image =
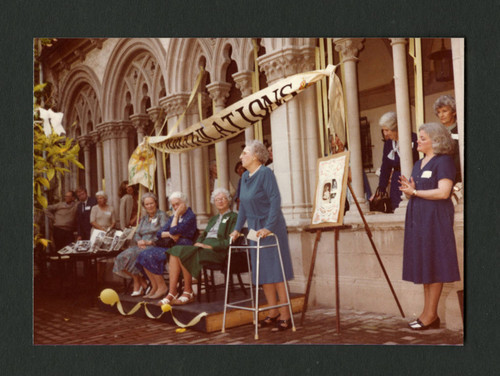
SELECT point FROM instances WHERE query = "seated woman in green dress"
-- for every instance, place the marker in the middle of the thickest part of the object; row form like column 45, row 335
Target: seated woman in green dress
column 210, row 247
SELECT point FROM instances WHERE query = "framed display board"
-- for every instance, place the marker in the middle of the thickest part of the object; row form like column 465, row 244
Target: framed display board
column 331, row 189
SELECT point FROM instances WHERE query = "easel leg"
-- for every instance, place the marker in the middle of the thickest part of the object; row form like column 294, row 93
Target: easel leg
column 337, row 292
column 309, row 279
column 368, row 232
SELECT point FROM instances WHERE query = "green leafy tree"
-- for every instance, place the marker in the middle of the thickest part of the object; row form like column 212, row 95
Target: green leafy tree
column 52, row 157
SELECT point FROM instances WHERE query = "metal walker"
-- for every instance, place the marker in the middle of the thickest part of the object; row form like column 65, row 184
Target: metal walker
column 254, row 303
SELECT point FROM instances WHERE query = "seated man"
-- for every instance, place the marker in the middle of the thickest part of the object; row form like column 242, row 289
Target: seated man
column 210, row 247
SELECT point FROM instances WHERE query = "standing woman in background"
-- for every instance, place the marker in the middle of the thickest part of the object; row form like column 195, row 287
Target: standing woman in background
column 445, row 109
column 391, row 162
column 260, row 206
column 102, row 215
column 430, row 254
column 125, row 192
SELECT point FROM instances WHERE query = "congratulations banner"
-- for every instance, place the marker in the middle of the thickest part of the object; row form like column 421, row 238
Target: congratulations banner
column 234, row 119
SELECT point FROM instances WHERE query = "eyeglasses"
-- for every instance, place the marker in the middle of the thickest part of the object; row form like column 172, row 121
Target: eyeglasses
column 221, row 199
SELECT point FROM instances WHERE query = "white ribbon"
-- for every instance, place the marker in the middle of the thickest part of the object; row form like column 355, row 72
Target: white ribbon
column 395, row 149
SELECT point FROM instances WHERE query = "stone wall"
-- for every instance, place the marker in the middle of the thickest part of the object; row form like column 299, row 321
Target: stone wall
column 361, row 279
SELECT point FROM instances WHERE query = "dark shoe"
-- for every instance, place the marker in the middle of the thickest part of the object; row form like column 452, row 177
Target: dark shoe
column 282, row 325
column 418, row 325
column 268, row 321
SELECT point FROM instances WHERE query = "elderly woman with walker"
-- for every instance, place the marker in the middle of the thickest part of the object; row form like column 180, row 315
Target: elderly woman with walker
column 260, row 206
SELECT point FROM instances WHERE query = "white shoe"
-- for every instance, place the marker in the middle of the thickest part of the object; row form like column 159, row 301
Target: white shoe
column 137, row 293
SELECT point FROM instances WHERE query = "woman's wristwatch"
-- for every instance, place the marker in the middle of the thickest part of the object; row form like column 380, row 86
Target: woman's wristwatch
column 414, row 193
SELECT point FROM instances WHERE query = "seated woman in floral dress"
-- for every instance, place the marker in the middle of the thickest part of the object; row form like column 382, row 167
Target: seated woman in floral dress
column 210, row 247
column 179, row 229
column 145, row 235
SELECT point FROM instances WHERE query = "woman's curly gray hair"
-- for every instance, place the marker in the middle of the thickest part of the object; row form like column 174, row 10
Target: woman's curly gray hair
column 102, row 194
column 178, row 194
column 389, row 120
column 258, row 149
column 445, row 100
column 149, row 195
column 218, row 191
column 442, row 143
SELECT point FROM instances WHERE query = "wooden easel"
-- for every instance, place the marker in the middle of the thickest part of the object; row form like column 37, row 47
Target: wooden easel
column 313, row 262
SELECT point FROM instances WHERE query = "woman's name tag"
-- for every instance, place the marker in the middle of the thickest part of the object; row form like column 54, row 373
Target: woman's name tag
column 426, row 174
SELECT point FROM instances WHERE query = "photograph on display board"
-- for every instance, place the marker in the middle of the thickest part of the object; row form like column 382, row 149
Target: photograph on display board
column 331, row 187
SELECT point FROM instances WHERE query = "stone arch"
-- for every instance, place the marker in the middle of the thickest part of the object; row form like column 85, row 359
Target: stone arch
column 222, row 58
column 244, row 55
column 127, row 54
column 183, row 56
column 81, row 85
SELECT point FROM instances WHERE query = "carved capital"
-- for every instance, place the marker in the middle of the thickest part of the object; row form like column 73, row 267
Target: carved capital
column 283, row 63
column 349, row 47
column 395, row 41
column 96, row 137
column 123, row 128
column 140, row 122
column 174, row 104
column 243, row 82
column 106, row 130
column 85, row 142
column 219, row 91
column 156, row 114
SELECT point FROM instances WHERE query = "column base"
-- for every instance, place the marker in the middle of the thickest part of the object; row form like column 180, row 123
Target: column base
column 401, row 209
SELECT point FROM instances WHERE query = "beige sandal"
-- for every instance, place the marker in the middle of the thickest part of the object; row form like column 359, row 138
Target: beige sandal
column 168, row 299
column 186, row 297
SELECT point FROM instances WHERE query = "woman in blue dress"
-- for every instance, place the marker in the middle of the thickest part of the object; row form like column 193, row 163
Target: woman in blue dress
column 260, row 207
column 391, row 163
column 179, row 229
column 145, row 235
column 430, row 254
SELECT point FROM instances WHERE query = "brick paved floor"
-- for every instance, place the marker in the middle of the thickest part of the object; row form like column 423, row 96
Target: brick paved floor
column 77, row 319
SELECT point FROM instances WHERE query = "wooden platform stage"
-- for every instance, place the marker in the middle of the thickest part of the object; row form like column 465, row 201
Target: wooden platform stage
column 214, row 309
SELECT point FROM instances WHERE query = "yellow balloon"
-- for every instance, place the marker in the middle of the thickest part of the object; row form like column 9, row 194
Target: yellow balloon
column 166, row 307
column 109, row 296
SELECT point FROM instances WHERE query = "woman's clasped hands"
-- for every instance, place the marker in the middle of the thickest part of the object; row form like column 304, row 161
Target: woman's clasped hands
column 406, row 186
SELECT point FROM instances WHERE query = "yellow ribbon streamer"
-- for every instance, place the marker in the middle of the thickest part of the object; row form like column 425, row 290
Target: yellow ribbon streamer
column 191, row 97
column 110, row 297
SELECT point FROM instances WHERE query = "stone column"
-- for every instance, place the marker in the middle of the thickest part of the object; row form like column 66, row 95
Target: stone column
column 288, row 126
column 109, row 133
column 349, row 47
column 85, row 142
column 243, row 81
column 105, row 136
column 141, row 124
column 174, row 106
column 157, row 115
column 219, row 91
column 402, row 110
column 123, row 130
column 96, row 139
column 199, row 167
column 457, row 48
